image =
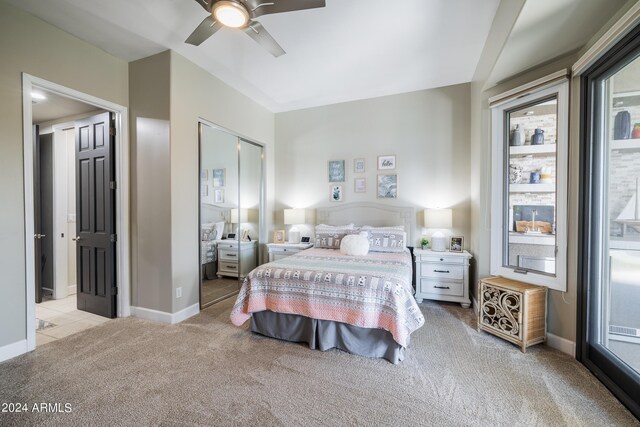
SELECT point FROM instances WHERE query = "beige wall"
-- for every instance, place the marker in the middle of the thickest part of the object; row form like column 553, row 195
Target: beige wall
column 428, row 131
column 32, row 46
column 150, row 182
column 197, row 94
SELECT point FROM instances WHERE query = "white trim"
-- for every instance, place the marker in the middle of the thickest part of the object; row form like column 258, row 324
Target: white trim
column 474, row 304
column 498, row 143
column 528, row 88
column 564, row 345
column 122, row 194
column 617, row 31
column 72, row 289
column 164, row 317
column 12, row 350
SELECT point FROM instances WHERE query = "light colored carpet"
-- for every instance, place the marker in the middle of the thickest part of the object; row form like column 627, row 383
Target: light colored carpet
column 205, row 371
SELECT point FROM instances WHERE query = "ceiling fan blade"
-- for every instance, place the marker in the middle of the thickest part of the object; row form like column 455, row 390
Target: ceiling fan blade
column 266, row 7
column 203, row 31
column 256, row 31
column 206, row 4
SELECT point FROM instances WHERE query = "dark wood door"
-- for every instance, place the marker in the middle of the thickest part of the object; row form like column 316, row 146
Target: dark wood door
column 95, row 215
column 37, row 237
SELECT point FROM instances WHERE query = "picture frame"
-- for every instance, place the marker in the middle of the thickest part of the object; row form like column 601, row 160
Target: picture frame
column 204, row 175
column 218, row 195
column 204, row 190
column 456, row 244
column 278, row 236
column 336, row 171
column 387, row 187
column 336, row 194
column 245, row 236
column 219, row 177
column 358, row 165
column 387, row 162
column 360, row 185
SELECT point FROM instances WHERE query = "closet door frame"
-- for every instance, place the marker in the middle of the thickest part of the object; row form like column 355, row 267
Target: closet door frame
column 261, row 220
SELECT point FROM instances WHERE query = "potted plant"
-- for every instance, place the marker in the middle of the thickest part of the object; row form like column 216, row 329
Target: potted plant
column 424, row 242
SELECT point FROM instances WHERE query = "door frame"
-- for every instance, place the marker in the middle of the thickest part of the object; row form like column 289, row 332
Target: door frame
column 30, row 82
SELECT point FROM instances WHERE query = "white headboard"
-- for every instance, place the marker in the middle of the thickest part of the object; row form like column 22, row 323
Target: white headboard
column 374, row 214
column 214, row 213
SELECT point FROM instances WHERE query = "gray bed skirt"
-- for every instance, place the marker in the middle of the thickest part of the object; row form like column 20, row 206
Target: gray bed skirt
column 325, row 335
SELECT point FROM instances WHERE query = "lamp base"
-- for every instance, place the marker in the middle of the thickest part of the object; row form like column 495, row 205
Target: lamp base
column 294, row 237
column 438, row 243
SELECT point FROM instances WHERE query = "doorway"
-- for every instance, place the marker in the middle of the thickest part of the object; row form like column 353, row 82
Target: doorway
column 609, row 339
column 97, row 133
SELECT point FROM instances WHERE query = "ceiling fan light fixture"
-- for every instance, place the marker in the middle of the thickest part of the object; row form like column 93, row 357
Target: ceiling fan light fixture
column 230, row 14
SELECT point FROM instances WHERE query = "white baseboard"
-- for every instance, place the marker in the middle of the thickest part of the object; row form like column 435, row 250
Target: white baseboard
column 10, row 351
column 72, row 289
column 164, row 317
column 562, row 344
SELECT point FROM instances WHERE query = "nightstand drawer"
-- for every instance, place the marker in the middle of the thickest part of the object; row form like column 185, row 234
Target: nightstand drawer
column 227, row 266
column 442, row 287
column 441, row 271
column 444, row 258
column 288, row 251
column 228, row 254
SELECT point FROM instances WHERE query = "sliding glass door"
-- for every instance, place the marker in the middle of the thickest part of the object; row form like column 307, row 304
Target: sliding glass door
column 610, row 245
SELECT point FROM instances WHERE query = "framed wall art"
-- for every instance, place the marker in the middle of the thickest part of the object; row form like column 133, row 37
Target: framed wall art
column 360, row 185
column 388, row 186
column 358, row 165
column 218, row 176
column 336, row 171
column 336, row 193
column 386, row 162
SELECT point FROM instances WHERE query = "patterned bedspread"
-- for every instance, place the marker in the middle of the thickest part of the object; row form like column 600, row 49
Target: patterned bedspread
column 208, row 252
column 371, row 291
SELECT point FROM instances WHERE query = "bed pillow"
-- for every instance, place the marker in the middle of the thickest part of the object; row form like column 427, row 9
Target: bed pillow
column 208, row 232
column 355, row 244
column 383, row 239
column 219, row 230
column 329, row 236
column 334, row 227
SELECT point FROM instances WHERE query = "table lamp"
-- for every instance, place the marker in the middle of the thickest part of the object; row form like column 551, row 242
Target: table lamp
column 439, row 219
column 294, row 217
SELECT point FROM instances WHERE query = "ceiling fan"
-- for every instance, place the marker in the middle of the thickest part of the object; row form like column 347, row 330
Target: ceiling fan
column 241, row 14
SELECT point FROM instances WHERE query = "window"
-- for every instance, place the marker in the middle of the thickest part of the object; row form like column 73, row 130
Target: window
column 529, row 182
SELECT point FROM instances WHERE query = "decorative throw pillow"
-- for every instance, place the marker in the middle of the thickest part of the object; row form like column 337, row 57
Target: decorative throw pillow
column 386, row 240
column 328, row 236
column 355, row 244
column 208, row 232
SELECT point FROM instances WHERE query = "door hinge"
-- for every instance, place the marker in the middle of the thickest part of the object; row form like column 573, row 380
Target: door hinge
column 114, row 238
column 112, row 131
column 113, row 185
column 114, row 290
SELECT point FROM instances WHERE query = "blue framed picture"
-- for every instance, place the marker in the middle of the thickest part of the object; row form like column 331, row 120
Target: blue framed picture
column 336, row 171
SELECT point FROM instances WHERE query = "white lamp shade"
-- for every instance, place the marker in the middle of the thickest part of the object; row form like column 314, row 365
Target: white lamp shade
column 294, row 216
column 438, row 218
column 244, row 216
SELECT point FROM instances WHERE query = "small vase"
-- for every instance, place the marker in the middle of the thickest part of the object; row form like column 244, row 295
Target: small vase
column 517, row 136
column 515, row 174
column 622, row 125
column 538, row 137
column 535, row 178
column 635, row 134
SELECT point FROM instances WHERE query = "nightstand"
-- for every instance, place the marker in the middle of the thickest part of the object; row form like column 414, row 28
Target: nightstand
column 282, row 250
column 229, row 255
column 442, row 276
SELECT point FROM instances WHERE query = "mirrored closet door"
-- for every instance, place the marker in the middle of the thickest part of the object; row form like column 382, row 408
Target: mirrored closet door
column 230, row 211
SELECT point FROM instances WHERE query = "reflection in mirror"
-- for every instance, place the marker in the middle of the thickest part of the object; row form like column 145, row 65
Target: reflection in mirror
column 218, row 201
column 530, row 177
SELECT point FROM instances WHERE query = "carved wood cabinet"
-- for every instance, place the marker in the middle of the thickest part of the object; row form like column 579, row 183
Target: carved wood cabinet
column 513, row 310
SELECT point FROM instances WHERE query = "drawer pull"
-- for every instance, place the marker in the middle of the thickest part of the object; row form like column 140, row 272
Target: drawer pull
column 441, row 271
column 441, row 287
column 231, row 266
column 441, row 259
column 231, row 254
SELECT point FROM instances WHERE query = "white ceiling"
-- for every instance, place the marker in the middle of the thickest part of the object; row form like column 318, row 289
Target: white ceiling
column 548, row 29
column 349, row 50
column 56, row 107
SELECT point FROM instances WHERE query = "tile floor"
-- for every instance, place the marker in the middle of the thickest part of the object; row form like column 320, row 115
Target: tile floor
column 65, row 318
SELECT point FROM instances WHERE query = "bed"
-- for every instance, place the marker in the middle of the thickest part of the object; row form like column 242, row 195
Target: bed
column 213, row 219
column 360, row 304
